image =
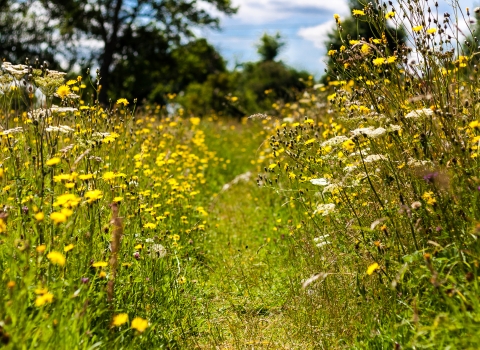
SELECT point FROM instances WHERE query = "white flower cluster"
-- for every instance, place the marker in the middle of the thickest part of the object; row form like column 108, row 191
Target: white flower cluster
column 60, row 128
column 325, row 209
column 334, row 141
column 12, row 131
column 320, row 182
column 321, row 241
column 425, row 112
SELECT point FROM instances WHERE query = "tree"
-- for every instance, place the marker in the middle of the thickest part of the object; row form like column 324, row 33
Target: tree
column 20, row 37
column 357, row 28
column 125, row 28
column 270, row 46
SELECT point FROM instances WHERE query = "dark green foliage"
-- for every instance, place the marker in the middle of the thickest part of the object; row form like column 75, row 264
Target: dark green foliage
column 270, row 46
column 131, row 29
column 20, row 37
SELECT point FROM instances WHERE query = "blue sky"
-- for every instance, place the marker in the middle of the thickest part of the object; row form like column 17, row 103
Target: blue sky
column 302, row 23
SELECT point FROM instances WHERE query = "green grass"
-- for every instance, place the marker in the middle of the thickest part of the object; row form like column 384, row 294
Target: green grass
column 351, row 223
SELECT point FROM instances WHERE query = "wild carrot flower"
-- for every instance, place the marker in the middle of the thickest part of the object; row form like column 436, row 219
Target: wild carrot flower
column 320, row 182
column 56, row 258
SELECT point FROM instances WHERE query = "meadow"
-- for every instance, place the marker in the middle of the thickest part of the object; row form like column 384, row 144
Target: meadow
column 348, row 219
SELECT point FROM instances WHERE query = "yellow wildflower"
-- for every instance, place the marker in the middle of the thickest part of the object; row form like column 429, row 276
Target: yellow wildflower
column 41, row 300
column 429, row 198
column 68, row 248
column 92, row 196
column 358, row 12
column 391, row 59
column 63, row 91
column 119, row 319
column 58, row 218
column 417, row 28
column 41, row 248
column 365, row 49
column 372, row 268
column 389, row 15
column 378, row 61
column 123, row 101
column 52, row 161
column 100, row 264
column 139, row 324
column 56, row 258
column 431, row 30
column 332, row 52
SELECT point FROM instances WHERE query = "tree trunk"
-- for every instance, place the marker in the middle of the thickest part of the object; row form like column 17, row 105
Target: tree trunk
column 107, row 60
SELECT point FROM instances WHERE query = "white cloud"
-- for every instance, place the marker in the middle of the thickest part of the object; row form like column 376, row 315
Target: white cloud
column 263, row 11
column 317, row 34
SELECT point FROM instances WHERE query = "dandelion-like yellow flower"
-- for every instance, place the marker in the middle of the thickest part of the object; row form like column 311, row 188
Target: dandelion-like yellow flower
column 417, row 28
column 68, row 248
column 389, row 15
column 337, row 18
column 139, row 324
column 71, row 82
column 391, row 59
column 123, row 101
column 41, row 248
column 150, row 225
column 85, row 176
column 100, row 264
column 358, row 12
column 41, row 300
column 52, row 161
column 353, row 42
column 58, row 218
column 67, row 200
column 63, row 91
column 372, row 268
column 429, row 198
column 378, row 61
column 92, row 196
column 56, row 258
column 332, row 52
column 119, row 319
column 431, row 30
column 365, row 49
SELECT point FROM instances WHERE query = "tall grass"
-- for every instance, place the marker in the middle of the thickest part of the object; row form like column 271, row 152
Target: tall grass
column 389, row 185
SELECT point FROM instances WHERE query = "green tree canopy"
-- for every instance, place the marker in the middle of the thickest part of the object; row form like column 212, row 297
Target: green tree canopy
column 127, row 28
column 270, row 46
column 20, row 37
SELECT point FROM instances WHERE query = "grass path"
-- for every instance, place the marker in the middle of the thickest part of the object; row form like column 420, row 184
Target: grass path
column 248, row 282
